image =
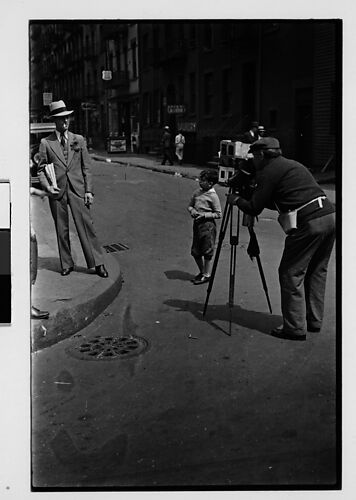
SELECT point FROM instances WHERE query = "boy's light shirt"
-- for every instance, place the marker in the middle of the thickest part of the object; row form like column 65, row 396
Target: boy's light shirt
column 207, row 211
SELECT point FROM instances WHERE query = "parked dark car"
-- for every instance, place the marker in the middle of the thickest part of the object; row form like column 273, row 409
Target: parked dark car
column 37, row 132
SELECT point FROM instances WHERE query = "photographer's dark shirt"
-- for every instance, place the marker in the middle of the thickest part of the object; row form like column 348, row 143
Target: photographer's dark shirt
column 289, row 185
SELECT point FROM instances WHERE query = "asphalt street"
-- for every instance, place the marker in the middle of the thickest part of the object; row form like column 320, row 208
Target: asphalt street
column 196, row 407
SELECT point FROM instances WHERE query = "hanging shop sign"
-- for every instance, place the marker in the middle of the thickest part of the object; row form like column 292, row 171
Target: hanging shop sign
column 47, row 98
column 106, row 74
column 88, row 106
column 175, row 109
column 117, row 145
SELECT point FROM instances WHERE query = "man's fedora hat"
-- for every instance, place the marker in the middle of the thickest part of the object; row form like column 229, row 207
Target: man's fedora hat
column 265, row 143
column 58, row 108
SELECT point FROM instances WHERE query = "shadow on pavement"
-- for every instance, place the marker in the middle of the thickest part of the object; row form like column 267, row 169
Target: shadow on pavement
column 253, row 320
column 179, row 275
column 49, row 263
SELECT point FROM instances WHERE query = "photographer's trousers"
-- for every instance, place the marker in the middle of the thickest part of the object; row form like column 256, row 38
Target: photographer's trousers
column 84, row 225
column 303, row 271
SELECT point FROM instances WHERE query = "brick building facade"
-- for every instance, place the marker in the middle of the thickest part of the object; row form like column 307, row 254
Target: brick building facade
column 209, row 78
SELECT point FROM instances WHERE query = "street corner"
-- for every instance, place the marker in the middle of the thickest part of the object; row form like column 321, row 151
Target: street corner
column 73, row 301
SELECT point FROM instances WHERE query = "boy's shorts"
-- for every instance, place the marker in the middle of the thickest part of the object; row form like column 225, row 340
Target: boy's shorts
column 204, row 236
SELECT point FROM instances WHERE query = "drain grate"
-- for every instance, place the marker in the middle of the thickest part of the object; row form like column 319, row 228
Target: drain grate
column 109, row 348
column 115, row 247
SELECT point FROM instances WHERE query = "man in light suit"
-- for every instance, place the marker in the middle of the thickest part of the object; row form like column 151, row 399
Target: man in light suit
column 71, row 161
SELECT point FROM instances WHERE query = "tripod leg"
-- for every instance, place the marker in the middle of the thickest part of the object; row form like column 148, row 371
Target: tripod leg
column 254, row 251
column 223, row 227
column 264, row 284
column 234, row 241
column 232, row 283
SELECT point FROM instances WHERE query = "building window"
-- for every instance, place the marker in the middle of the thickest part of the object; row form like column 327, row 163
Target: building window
column 156, row 107
column 168, row 35
column 145, row 49
column 192, row 35
column 272, row 118
column 88, row 92
column 208, row 93
column 155, row 45
column 125, row 61
column 95, row 75
column 226, row 91
column 333, row 113
column 208, row 37
column 181, row 89
column 192, row 93
column 181, row 40
column 248, row 92
column 134, row 59
column 145, row 110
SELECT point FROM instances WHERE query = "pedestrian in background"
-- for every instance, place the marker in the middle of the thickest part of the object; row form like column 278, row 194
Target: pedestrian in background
column 251, row 135
column 286, row 185
column 166, row 143
column 204, row 208
column 261, row 131
column 179, row 142
column 72, row 166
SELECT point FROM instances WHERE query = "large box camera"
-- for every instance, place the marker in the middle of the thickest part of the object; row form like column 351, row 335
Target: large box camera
column 230, row 154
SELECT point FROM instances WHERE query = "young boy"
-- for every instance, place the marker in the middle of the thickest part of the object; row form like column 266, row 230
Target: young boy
column 204, row 207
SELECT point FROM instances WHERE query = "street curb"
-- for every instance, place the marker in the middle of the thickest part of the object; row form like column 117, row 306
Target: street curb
column 67, row 321
column 147, row 167
column 323, row 180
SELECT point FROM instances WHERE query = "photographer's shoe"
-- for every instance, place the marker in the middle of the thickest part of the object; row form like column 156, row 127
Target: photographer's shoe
column 201, row 280
column 313, row 329
column 281, row 334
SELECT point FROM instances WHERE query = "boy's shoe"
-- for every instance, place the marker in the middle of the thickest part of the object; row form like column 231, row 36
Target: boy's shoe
column 201, row 280
column 197, row 277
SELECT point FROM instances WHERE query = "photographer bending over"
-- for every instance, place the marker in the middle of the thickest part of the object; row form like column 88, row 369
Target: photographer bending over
column 286, row 185
column 204, row 207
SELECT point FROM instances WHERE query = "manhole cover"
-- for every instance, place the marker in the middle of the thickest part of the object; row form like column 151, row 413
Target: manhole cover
column 109, row 348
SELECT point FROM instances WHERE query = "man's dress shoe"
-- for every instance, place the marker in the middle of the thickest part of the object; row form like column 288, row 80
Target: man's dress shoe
column 281, row 334
column 314, row 329
column 37, row 314
column 66, row 271
column 101, row 271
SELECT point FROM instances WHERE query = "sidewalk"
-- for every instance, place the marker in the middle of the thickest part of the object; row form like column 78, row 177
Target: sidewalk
column 72, row 301
column 75, row 301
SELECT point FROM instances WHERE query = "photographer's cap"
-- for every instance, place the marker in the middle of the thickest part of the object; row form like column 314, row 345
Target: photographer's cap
column 265, row 143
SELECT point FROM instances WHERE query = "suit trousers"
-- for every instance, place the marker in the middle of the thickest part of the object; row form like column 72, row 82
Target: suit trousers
column 85, row 228
column 303, row 272
column 33, row 258
column 167, row 155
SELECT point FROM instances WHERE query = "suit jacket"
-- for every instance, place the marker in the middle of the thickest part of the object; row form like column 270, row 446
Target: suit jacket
column 76, row 170
column 166, row 140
